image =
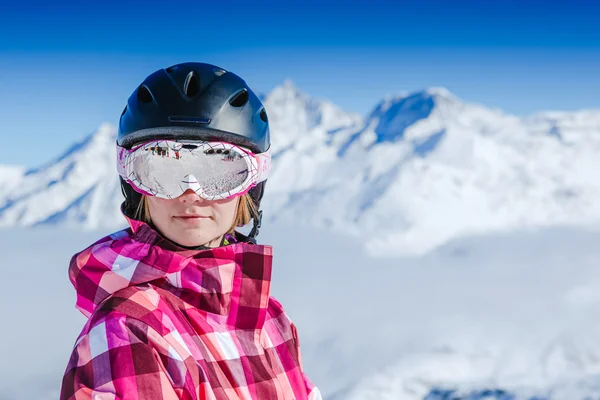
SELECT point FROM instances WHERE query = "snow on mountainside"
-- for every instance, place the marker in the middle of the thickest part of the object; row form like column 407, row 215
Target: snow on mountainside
column 78, row 188
column 293, row 115
column 419, row 170
column 9, row 177
column 426, row 167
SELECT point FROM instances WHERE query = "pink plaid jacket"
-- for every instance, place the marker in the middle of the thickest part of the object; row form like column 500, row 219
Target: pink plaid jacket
column 169, row 323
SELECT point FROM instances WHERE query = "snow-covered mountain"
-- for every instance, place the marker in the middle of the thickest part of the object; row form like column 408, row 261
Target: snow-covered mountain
column 420, row 169
column 426, row 167
column 294, row 115
column 79, row 188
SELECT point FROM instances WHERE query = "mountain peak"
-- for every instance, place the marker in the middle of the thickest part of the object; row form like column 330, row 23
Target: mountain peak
column 106, row 129
column 287, row 89
column 289, row 84
column 432, row 92
column 438, row 91
column 106, row 134
column 392, row 116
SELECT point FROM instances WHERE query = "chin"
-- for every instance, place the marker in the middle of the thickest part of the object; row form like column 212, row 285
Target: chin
column 191, row 239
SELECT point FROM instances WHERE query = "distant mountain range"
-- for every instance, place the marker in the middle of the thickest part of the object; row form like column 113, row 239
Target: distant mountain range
column 420, row 169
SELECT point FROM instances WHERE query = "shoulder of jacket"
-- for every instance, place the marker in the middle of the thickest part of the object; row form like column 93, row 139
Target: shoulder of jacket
column 275, row 308
column 278, row 316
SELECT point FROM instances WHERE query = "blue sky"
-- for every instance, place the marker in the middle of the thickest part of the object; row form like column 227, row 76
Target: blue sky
column 66, row 67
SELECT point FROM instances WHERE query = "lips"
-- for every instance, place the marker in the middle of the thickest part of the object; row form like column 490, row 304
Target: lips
column 192, row 219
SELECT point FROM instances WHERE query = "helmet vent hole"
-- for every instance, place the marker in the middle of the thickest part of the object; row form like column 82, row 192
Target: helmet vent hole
column 124, row 111
column 263, row 115
column 240, row 98
column 219, row 71
column 144, row 95
column 171, row 69
column 192, row 84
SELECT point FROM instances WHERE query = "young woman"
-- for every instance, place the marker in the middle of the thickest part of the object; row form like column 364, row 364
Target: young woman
column 179, row 304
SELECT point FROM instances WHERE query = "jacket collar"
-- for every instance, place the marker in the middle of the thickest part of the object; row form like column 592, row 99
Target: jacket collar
column 231, row 281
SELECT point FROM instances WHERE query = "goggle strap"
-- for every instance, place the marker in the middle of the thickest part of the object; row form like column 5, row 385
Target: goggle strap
column 264, row 165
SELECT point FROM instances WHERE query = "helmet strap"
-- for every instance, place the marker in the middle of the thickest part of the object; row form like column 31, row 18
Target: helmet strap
column 257, row 224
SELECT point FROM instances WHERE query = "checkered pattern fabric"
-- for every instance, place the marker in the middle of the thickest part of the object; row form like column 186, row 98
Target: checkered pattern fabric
column 170, row 323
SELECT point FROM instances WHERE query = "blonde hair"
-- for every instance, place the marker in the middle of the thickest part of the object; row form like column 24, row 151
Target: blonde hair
column 246, row 210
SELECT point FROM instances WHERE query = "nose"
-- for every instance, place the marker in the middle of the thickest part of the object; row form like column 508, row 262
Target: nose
column 189, row 196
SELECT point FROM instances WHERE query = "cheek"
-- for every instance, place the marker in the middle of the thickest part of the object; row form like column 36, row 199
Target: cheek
column 227, row 209
column 158, row 208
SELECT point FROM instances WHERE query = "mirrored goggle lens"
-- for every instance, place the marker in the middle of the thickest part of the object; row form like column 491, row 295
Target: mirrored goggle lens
column 207, row 169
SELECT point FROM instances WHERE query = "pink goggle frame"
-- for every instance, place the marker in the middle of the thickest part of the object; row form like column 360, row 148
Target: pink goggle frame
column 214, row 170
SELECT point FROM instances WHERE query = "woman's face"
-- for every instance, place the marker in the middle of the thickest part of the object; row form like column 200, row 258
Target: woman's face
column 190, row 220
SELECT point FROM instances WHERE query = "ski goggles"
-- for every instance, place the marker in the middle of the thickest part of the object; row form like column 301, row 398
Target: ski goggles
column 214, row 170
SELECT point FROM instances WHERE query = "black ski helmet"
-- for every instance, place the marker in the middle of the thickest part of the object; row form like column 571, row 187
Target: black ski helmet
column 194, row 101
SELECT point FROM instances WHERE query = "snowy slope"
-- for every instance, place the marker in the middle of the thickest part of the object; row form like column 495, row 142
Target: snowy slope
column 511, row 312
column 420, row 169
column 10, row 176
column 78, row 188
